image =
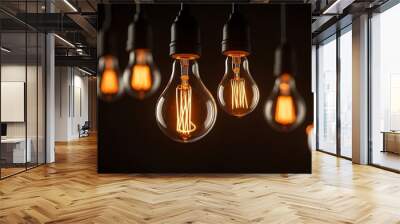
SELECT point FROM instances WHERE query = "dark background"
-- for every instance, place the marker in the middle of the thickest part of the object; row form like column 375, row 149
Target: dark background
column 129, row 140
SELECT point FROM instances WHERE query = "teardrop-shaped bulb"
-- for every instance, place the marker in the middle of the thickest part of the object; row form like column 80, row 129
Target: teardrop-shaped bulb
column 285, row 108
column 109, row 87
column 186, row 111
column 141, row 76
column 238, row 93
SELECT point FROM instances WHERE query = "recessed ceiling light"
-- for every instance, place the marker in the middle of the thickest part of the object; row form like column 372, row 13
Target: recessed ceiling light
column 5, row 49
column 337, row 7
column 70, row 5
column 64, row 40
column 84, row 71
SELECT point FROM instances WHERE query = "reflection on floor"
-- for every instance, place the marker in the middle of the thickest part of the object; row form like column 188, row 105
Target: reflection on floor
column 11, row 169
column 71, row 191
column 386, row 159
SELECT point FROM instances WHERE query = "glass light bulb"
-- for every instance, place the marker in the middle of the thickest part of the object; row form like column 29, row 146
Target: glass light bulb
column 141, row 77
column 186, row 111
column 238, row 93
column 109, row 87
column 285, row 108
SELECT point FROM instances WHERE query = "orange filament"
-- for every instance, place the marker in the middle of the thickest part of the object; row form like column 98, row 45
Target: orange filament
column 109, row 82
column 239, row 98
column 184, row 124
column 285, row 113
column 141, row 78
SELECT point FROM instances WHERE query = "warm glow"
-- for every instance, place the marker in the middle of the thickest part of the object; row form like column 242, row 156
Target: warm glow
column 141, row 78
column 285, row 113
column 184, row 124
column 109, row 82
column 238, row 87
column 239, row 98
column 309, row 129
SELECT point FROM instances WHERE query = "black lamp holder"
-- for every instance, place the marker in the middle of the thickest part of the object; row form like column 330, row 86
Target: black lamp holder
column 284, row 55
column 185, row 35
column 107, row 39
column 139, row 31
column 236, row 34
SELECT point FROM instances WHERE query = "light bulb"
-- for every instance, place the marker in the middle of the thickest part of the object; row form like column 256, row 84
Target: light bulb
column 141, row 77
column 186, row 111
column 108, row 80
column 285, row 108
column 238, row 93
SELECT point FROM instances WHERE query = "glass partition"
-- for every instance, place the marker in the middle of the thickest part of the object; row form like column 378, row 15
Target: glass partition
column 22, row 77
column 13, row 105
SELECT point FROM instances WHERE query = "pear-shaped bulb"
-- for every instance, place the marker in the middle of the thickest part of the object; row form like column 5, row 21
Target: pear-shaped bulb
column 141, row 76
column 186, row 111
column 109, row 87
column 285, row 108
column 238, row 94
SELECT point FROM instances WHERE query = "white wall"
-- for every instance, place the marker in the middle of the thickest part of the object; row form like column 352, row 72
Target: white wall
column 33, row 127
column 71, row 102
column 16, row 73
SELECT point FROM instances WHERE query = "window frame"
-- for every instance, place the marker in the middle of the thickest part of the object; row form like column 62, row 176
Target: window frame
column 336, row 36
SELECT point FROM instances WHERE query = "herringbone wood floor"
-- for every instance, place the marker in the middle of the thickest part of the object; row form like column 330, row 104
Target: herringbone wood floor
column 70, row 191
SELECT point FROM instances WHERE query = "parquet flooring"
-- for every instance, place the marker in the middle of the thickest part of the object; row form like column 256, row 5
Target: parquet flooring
column 70, row 191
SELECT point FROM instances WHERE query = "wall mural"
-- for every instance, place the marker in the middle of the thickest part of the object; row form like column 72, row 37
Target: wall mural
column 204, row 88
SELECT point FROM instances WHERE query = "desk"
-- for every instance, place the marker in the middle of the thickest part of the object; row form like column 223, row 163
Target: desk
column 391, row 141
column 13, row 150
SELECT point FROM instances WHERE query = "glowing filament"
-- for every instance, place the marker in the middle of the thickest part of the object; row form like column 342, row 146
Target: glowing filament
column 285, row 111
column 184, row 124
column 141, row 78
column 239, row 98
column 109, row 82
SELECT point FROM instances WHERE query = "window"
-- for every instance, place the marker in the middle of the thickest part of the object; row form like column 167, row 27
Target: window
column 326, row 99
column 385, row 89
column 334, row 94
column 346, row 92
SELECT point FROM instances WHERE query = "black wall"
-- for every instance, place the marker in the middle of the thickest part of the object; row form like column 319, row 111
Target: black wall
column 129, row 140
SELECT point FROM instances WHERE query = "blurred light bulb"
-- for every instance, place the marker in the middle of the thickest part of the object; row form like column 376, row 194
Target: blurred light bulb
column 285, row 108
column 186, row 110
column 238, row 93
column 141, row 76
column 108, row 80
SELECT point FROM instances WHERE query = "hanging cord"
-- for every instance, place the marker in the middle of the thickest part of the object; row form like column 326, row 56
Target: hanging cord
column 181, row 5
column 137, row 3
column 283, row 23
column 233, row 7
column 107, row 17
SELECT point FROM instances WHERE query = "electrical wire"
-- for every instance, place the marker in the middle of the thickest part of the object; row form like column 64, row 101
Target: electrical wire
column 283, row 23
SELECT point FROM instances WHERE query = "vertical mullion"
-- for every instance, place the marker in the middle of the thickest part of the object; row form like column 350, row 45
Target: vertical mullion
column 26, row 86
column 369, row 78
column 45, row 86
column 0, row 89
column 317, row 96
column 338, row 97
column 37, row 89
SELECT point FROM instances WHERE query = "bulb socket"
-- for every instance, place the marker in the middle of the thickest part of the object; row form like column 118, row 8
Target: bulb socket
column 236, row 35
column 285, row 59
column 108, row 42
column 139, row 33
column 185, row 36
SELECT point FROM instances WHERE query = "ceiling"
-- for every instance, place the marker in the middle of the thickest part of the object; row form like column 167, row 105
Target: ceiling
column 76, row 20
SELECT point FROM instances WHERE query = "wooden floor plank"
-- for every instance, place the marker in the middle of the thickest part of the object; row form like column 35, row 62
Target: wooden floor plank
column 70, row 191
